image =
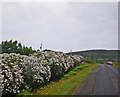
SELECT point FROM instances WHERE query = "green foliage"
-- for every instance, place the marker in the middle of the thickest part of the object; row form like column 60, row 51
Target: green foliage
column 47, row 50
column 75, row 70
column 15, row 47
column 56, row 72
column 24, row 93
column 116, row 64
column 90, row 61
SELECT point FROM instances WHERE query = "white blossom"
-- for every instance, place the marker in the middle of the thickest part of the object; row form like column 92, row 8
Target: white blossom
column 14, row 67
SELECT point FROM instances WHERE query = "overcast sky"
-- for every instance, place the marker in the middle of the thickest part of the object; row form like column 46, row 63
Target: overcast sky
column 62, row 26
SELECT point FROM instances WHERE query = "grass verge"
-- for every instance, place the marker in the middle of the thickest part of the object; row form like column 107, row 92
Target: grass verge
column 117, row 65
column 70, row 83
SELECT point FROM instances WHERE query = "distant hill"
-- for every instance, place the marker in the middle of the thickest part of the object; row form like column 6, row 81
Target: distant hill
column 99, row 55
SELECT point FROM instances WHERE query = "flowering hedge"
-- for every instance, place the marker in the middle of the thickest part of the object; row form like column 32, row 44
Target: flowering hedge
column 33, row 71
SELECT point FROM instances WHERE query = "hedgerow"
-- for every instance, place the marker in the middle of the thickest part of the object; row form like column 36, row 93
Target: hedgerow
column 34, row 71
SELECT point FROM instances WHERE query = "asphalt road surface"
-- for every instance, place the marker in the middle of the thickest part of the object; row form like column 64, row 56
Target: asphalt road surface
column 106, row 80
column 102, row 81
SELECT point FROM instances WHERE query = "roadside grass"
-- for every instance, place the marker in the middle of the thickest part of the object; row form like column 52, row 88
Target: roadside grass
column 70, row 83
column 117, row 65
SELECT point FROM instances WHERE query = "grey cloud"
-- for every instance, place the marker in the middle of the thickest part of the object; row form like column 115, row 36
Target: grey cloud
column 62, row 26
